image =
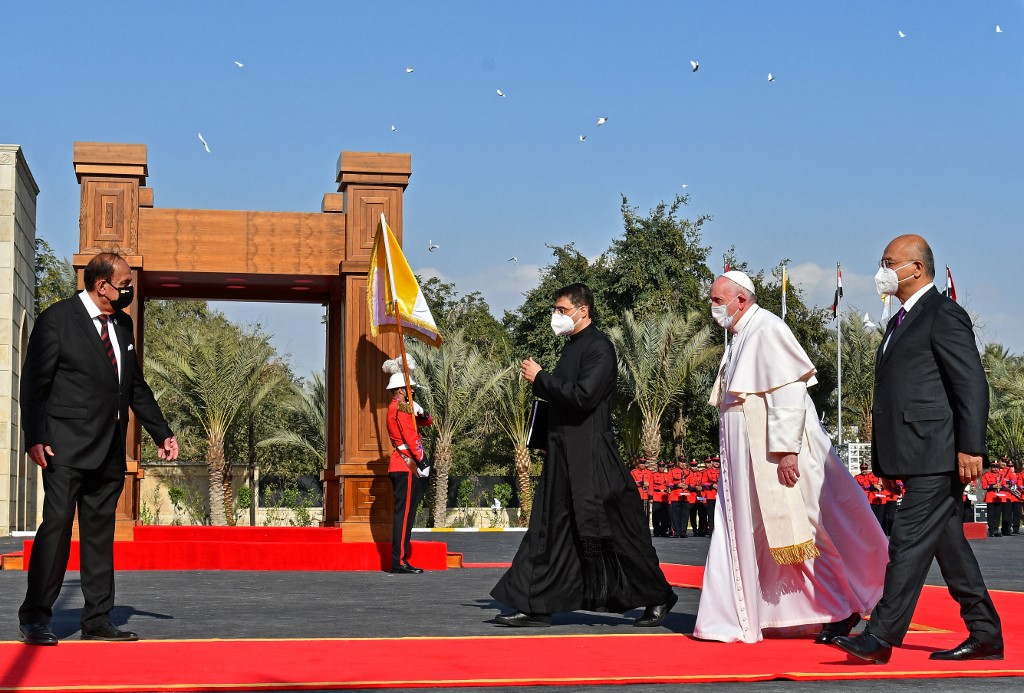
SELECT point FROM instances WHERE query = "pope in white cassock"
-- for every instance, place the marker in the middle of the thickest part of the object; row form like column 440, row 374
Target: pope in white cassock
column 795, row 542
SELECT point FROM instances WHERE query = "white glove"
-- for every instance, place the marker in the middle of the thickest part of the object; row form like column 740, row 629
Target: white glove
column 416, row 408
column 425, row 472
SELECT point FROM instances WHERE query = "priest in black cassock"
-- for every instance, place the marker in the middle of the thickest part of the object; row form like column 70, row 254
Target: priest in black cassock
column 588, row 546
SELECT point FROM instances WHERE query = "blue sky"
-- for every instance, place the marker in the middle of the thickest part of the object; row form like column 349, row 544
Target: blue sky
column 863, row 135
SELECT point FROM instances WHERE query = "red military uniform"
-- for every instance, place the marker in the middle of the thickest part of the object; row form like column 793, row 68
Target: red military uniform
column 407, row 485
column 659, row 496
column 710, row 484
column 678, row 505
column 642, row 477
column 997, row 498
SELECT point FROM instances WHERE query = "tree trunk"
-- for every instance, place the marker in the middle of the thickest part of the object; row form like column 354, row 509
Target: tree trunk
column 229, row 505
column 679, row 430
column 650, row 439
column 521, row 455
column 442, row 465
column 215, row 465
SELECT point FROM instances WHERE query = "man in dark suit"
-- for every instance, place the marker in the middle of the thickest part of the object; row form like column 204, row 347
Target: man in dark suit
column 79, row 379
column 930, row 416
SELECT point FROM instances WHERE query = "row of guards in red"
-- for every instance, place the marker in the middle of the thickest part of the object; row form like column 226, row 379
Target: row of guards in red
column 1002, row 485
column 883, row 500
column 680, row 496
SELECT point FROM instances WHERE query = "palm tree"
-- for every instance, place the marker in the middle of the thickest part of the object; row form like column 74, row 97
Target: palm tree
column 512, row 411
column 656, row 357
column 308, row 432
column 217, row 375
column 860, row 345
column 457, row 384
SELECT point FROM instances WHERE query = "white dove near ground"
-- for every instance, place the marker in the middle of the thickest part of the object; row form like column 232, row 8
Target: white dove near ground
column 770, row 78
column 431, row 246
column 902, row 35
column 205, row 145
column 500, row 92
column 239, row 64
column 496, row 505
column 513, row 259
column 695, row 65
column 602, row 120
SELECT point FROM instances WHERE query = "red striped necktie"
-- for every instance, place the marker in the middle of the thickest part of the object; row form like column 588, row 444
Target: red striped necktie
column 105, row 338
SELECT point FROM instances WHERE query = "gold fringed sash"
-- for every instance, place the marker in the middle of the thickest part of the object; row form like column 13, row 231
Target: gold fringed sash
column 783, row 512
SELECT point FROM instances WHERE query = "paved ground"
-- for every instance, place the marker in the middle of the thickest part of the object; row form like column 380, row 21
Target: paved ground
column 228, row 604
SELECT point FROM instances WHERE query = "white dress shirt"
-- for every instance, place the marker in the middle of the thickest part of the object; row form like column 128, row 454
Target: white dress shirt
column 94, row 313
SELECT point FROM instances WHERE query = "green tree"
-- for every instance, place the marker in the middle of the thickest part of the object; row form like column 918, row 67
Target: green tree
column 657, row 355
column 55, row 277
column 860, row 344
column 658, row 264
column 470, row 313
column 306, row 432
column 457, row 385
column 217, row 374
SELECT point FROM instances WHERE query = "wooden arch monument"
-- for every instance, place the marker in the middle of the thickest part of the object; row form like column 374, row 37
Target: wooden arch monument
column 307, row 257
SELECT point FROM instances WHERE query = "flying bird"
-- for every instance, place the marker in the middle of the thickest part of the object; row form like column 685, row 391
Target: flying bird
column 999, row 29
column 695, row 65
column 496, row 505
column 500, row 92
column 684, row 186
column 770, row 78
column 513, row 259
column 867, row 322
column 902, row 35
column 205, row 145
column 602, row 120
column 431, row 246
column 408, row 70
column 583, row 138
column 394, row 129
column 239, row 64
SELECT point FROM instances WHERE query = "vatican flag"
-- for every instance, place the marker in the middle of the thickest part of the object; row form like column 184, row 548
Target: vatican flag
column 391, row 286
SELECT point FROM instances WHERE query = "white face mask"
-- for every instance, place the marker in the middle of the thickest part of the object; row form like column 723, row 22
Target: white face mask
column 887, row 283
column 720, row 314
column 563, row 325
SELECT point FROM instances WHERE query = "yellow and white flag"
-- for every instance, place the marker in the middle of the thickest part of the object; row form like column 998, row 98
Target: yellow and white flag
column 390, row 282
column 783, row 292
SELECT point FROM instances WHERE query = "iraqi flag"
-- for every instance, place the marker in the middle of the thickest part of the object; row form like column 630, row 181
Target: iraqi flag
column 839, row 292
column 950, row 289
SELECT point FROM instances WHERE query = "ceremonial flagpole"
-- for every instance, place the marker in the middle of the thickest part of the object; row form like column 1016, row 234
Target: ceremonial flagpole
column 839, row 350
column 401, row 338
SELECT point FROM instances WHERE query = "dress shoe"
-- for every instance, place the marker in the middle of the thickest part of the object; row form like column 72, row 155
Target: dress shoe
column 830, row 631
column 971, row 649
column 413, row 569
column 865, row 646
column 37, row 634
column 406, row 569
column 654, row 615
column 109, row 633
column 518, row 619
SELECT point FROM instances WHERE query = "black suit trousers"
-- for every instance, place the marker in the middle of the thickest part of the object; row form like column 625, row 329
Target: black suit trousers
column 94, row 493
column 408, row 490
column 928, row 524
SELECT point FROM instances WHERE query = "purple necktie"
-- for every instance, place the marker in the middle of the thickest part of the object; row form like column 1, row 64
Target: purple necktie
column 900, row 314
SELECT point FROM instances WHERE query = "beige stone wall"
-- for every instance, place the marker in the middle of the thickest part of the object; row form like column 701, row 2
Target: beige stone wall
column 20, row 488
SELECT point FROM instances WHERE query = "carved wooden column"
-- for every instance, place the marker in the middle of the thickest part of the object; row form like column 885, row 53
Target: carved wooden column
column 371, row 184
column 111, row 178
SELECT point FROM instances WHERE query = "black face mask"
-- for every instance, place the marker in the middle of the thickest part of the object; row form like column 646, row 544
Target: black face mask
column 124, row 298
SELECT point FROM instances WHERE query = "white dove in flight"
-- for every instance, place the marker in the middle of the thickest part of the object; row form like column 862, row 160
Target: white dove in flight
column 394, row 129
column 902, row 35
column 409, row 70
column 770, row 78
column 238, row 64
column 500, row 92
column 695, row 65
column 583, row 138
column 431, row 246
column 205, row 145
column 999, row 29
column 684, row 186
column 513, row 259
column 602, row 120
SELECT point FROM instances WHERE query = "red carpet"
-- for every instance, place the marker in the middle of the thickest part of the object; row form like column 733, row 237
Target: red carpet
column 507, row 658
column 255, row 548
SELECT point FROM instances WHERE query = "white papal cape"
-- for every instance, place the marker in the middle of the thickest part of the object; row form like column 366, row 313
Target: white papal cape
column 745, row 590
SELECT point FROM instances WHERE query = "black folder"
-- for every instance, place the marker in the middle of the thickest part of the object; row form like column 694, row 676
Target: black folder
column 538, row 435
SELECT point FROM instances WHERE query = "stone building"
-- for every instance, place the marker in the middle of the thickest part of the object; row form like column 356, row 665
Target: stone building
column 20, row 488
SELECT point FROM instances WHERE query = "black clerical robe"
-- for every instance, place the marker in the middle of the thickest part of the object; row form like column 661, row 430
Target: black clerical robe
column 588, row 545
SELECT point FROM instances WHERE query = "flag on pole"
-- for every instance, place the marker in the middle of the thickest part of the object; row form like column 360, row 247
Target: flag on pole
column 839, row 292
column 783, row 292
column 391, row 282
column 950, row 289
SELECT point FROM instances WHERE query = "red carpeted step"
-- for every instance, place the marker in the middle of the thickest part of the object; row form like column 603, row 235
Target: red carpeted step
column 258, row 534
column 250, row 555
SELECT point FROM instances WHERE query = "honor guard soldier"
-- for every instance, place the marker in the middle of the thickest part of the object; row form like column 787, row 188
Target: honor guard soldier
column 659, row 498
column 996, row 497
column 710, row 483
column 678, row 502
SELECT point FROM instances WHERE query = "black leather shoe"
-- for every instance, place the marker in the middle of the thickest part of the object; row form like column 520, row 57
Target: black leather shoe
column 109, row 633
column 406, row 569
column 971, row 649
column 830, row 631
column 654, row 615
column 412, row 569
column 518, row 619
column 37, row 634
column 864, row 646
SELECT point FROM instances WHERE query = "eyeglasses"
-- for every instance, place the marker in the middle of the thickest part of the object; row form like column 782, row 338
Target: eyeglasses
column 561, row 310
column 892, row 264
